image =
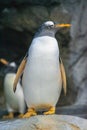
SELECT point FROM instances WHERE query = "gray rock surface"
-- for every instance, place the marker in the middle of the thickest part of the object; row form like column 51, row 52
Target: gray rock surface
column 50, row 122
column 78, row 53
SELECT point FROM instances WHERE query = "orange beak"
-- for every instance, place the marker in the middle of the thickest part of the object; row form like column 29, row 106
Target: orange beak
column 3, row 61
column 62, row 25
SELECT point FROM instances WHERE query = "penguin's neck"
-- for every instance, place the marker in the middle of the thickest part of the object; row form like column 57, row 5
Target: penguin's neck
column 41, row 33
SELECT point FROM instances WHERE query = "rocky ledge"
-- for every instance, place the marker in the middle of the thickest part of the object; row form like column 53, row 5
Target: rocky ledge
column 49, row 122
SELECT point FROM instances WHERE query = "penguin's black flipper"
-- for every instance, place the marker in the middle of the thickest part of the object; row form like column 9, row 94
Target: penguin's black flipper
column 63, row 75
column 19, row 72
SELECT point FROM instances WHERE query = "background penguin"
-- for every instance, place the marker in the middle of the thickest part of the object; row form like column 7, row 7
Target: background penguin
column 43, row 71
column 14, row 101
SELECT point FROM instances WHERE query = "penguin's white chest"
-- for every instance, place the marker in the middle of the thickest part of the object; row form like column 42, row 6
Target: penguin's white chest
column 14, row 101
column 42, row 78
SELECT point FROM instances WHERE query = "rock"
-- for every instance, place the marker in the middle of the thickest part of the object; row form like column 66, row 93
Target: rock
column 25, row 18
column 37, row 2
column 77, row 60
column 70, row 5
column 78, row 53
column 75, row 110
column 57, row 14
column 49, row 122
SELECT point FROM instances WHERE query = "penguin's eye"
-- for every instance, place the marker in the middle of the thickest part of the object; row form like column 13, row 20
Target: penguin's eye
column 50, row 26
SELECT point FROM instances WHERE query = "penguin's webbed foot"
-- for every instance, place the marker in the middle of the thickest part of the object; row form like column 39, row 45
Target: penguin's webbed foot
column 9, row 116
column 51, row 111
column 31, row 112
column 20, row 115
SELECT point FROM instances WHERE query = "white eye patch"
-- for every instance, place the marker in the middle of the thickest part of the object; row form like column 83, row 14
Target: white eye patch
column 49, row 23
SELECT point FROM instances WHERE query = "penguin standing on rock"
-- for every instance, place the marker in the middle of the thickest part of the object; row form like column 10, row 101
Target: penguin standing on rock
column 43, row 71
column 14, row 101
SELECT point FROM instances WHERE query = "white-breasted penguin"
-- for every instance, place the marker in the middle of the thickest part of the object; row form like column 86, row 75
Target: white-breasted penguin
column 43, row 71
column 14, row 101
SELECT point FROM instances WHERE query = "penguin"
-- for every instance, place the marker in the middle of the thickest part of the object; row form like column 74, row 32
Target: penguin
column 43, row 71
column 14, row 101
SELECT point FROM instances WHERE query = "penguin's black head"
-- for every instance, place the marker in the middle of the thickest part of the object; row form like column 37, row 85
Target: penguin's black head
column 49, row 25
column 11, row 68
column 49, row 28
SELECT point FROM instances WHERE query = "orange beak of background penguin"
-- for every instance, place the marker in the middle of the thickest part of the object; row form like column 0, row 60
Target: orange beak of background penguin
column 62, row 25
column 3, row 61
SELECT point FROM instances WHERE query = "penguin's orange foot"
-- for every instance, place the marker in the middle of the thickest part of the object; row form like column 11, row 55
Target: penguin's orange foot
column 31, row 112
column 9, row 116
column 51, row 111
column 20, row 115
